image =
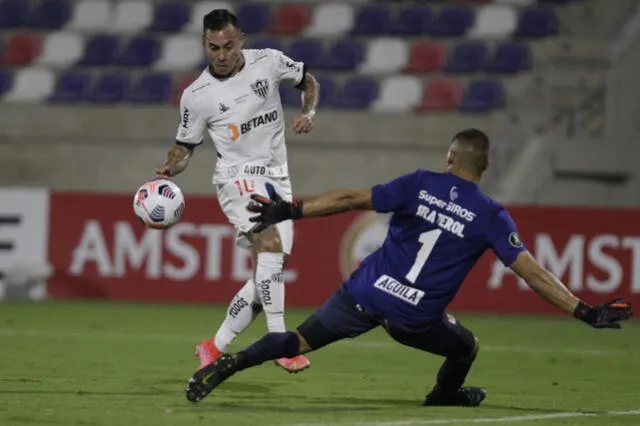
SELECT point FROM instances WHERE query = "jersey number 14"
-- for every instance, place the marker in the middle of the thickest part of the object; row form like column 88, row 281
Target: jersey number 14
column 428, row 240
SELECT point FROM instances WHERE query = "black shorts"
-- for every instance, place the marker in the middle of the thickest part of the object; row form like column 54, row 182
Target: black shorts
column 341, row 317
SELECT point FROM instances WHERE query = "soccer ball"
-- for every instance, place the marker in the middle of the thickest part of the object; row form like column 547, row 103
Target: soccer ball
column 159, row 204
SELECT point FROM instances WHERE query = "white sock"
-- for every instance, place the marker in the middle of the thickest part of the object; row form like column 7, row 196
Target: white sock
column 243, row 309
column 270, row 288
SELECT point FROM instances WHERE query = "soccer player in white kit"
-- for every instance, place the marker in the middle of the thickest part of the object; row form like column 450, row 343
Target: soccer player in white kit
column 236, row 99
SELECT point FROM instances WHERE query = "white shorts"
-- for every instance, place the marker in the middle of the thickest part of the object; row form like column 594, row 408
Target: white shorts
column 234, row 196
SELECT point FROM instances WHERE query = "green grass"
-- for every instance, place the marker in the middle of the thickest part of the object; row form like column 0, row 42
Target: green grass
column 124, row 364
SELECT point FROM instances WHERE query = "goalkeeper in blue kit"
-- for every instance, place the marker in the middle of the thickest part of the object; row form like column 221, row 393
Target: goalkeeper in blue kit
column 441, row 224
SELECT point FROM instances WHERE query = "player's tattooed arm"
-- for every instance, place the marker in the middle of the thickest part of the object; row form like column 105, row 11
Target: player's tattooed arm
column 177, row 161
column 303, row 123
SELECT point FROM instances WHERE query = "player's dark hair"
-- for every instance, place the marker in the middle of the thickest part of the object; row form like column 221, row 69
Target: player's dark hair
column 219, row 19
column 476, row 150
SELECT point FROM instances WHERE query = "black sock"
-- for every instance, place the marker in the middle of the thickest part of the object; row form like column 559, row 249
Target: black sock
column 271, row 346
column 452, row 375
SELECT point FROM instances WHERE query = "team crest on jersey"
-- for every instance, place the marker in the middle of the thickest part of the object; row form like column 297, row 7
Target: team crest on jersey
column 261, row 88
column 453, row 193
column 514, row 240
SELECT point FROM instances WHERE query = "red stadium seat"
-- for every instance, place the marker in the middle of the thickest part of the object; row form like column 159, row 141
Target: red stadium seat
column 182, row 84
column 291, row 19
column 426, row 57
column 441, row 95
column 21, row 49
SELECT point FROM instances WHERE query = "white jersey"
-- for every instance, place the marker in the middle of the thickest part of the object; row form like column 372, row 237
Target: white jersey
column 243, row 114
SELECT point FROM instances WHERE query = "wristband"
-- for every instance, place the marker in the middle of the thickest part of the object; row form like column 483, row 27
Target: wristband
column 296, row 210
column 583, row 311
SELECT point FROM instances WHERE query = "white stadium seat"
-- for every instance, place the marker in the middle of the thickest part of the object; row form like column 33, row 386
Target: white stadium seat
column 331, row 19
column 180, row 52
column 202, row 8
column 131, row 16
column 31, row 85
column 90, row 15
column 385, row 55
column 401, row 93
column 494, row 21
column 61, row 49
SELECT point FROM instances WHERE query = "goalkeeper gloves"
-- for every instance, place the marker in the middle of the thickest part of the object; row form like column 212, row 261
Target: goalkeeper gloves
column 605, row 315
column 273, row 210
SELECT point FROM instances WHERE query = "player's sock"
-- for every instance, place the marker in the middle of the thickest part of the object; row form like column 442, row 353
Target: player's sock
column 271, row 346
column 452, row 375
column 243, row 309
column 270, row 287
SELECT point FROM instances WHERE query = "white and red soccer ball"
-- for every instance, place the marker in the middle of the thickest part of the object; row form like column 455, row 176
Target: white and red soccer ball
column 159, row 204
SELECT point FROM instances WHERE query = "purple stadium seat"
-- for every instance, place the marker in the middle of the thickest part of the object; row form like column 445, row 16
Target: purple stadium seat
column 412, row 20
column 141, row 51
column 254, row 17
column 357, row 93
column 467, row 57
column 265, row 43
column 170, row 16
column 452, row 22
column 100, row 50
column 537, row 23
column 14, row 13
column 291, row 96
column 50, row 14
column 6, row 81
column 110, row 88
column 307, row 50
column 374, row 19
column 483, row 96
column 151, row 88
column 344, row 56
column 71, row 87
column 510, row 58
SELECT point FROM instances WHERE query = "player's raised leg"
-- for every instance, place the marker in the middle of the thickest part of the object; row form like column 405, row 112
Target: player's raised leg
column 460, row 348
column 242, row 311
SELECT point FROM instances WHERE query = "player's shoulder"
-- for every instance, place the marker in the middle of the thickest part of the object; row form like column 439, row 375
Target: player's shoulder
column 257, row 57
column 201, row 86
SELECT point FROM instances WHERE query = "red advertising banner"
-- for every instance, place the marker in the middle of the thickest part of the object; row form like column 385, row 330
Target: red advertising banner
column 100, row 250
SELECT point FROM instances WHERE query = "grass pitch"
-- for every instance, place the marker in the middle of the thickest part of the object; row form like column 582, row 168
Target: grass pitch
column 125, row 364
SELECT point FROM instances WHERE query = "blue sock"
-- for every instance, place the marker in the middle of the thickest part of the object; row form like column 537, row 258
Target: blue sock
column 271, row 346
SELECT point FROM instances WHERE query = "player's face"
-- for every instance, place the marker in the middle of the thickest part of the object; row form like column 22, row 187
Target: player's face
column 224, row 49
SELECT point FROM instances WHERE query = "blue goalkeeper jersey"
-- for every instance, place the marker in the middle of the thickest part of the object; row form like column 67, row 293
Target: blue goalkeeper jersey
column 441, row 225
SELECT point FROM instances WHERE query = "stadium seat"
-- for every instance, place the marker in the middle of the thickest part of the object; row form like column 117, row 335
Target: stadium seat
column 6, row 81
column 398, row 94
column 50, row 14
column 110, row 88
column 483, row 96
column 61, row 49
column 100, row 50
column 31, row 85
column 467, row 58
column 357, row 93
column 182, row 83
column 372, row 20
column 537, row 23
column 202, row 8
column 90, row 15
column 14, row 13
column 344, row 56
column 510, row 58
column 384, row 56
column 440, row 95
column 331, row 19
column 71, row 87
column 264, row 43
column 131, row 16
column 255, row 17
column 141, row 51
column 170, row 16
column 427, row 57
column 327, row 90
column 151, row 88
column 20, row 49
column 307, row 50
column 413, row 20
column 291, row 18
column 494, row 21
column 180, row 52
column 452, row 22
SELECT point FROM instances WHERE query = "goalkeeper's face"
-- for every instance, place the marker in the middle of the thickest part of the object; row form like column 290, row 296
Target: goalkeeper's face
column 224, row 50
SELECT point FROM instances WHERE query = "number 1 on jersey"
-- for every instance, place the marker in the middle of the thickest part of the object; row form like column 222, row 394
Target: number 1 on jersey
column 428, row 240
